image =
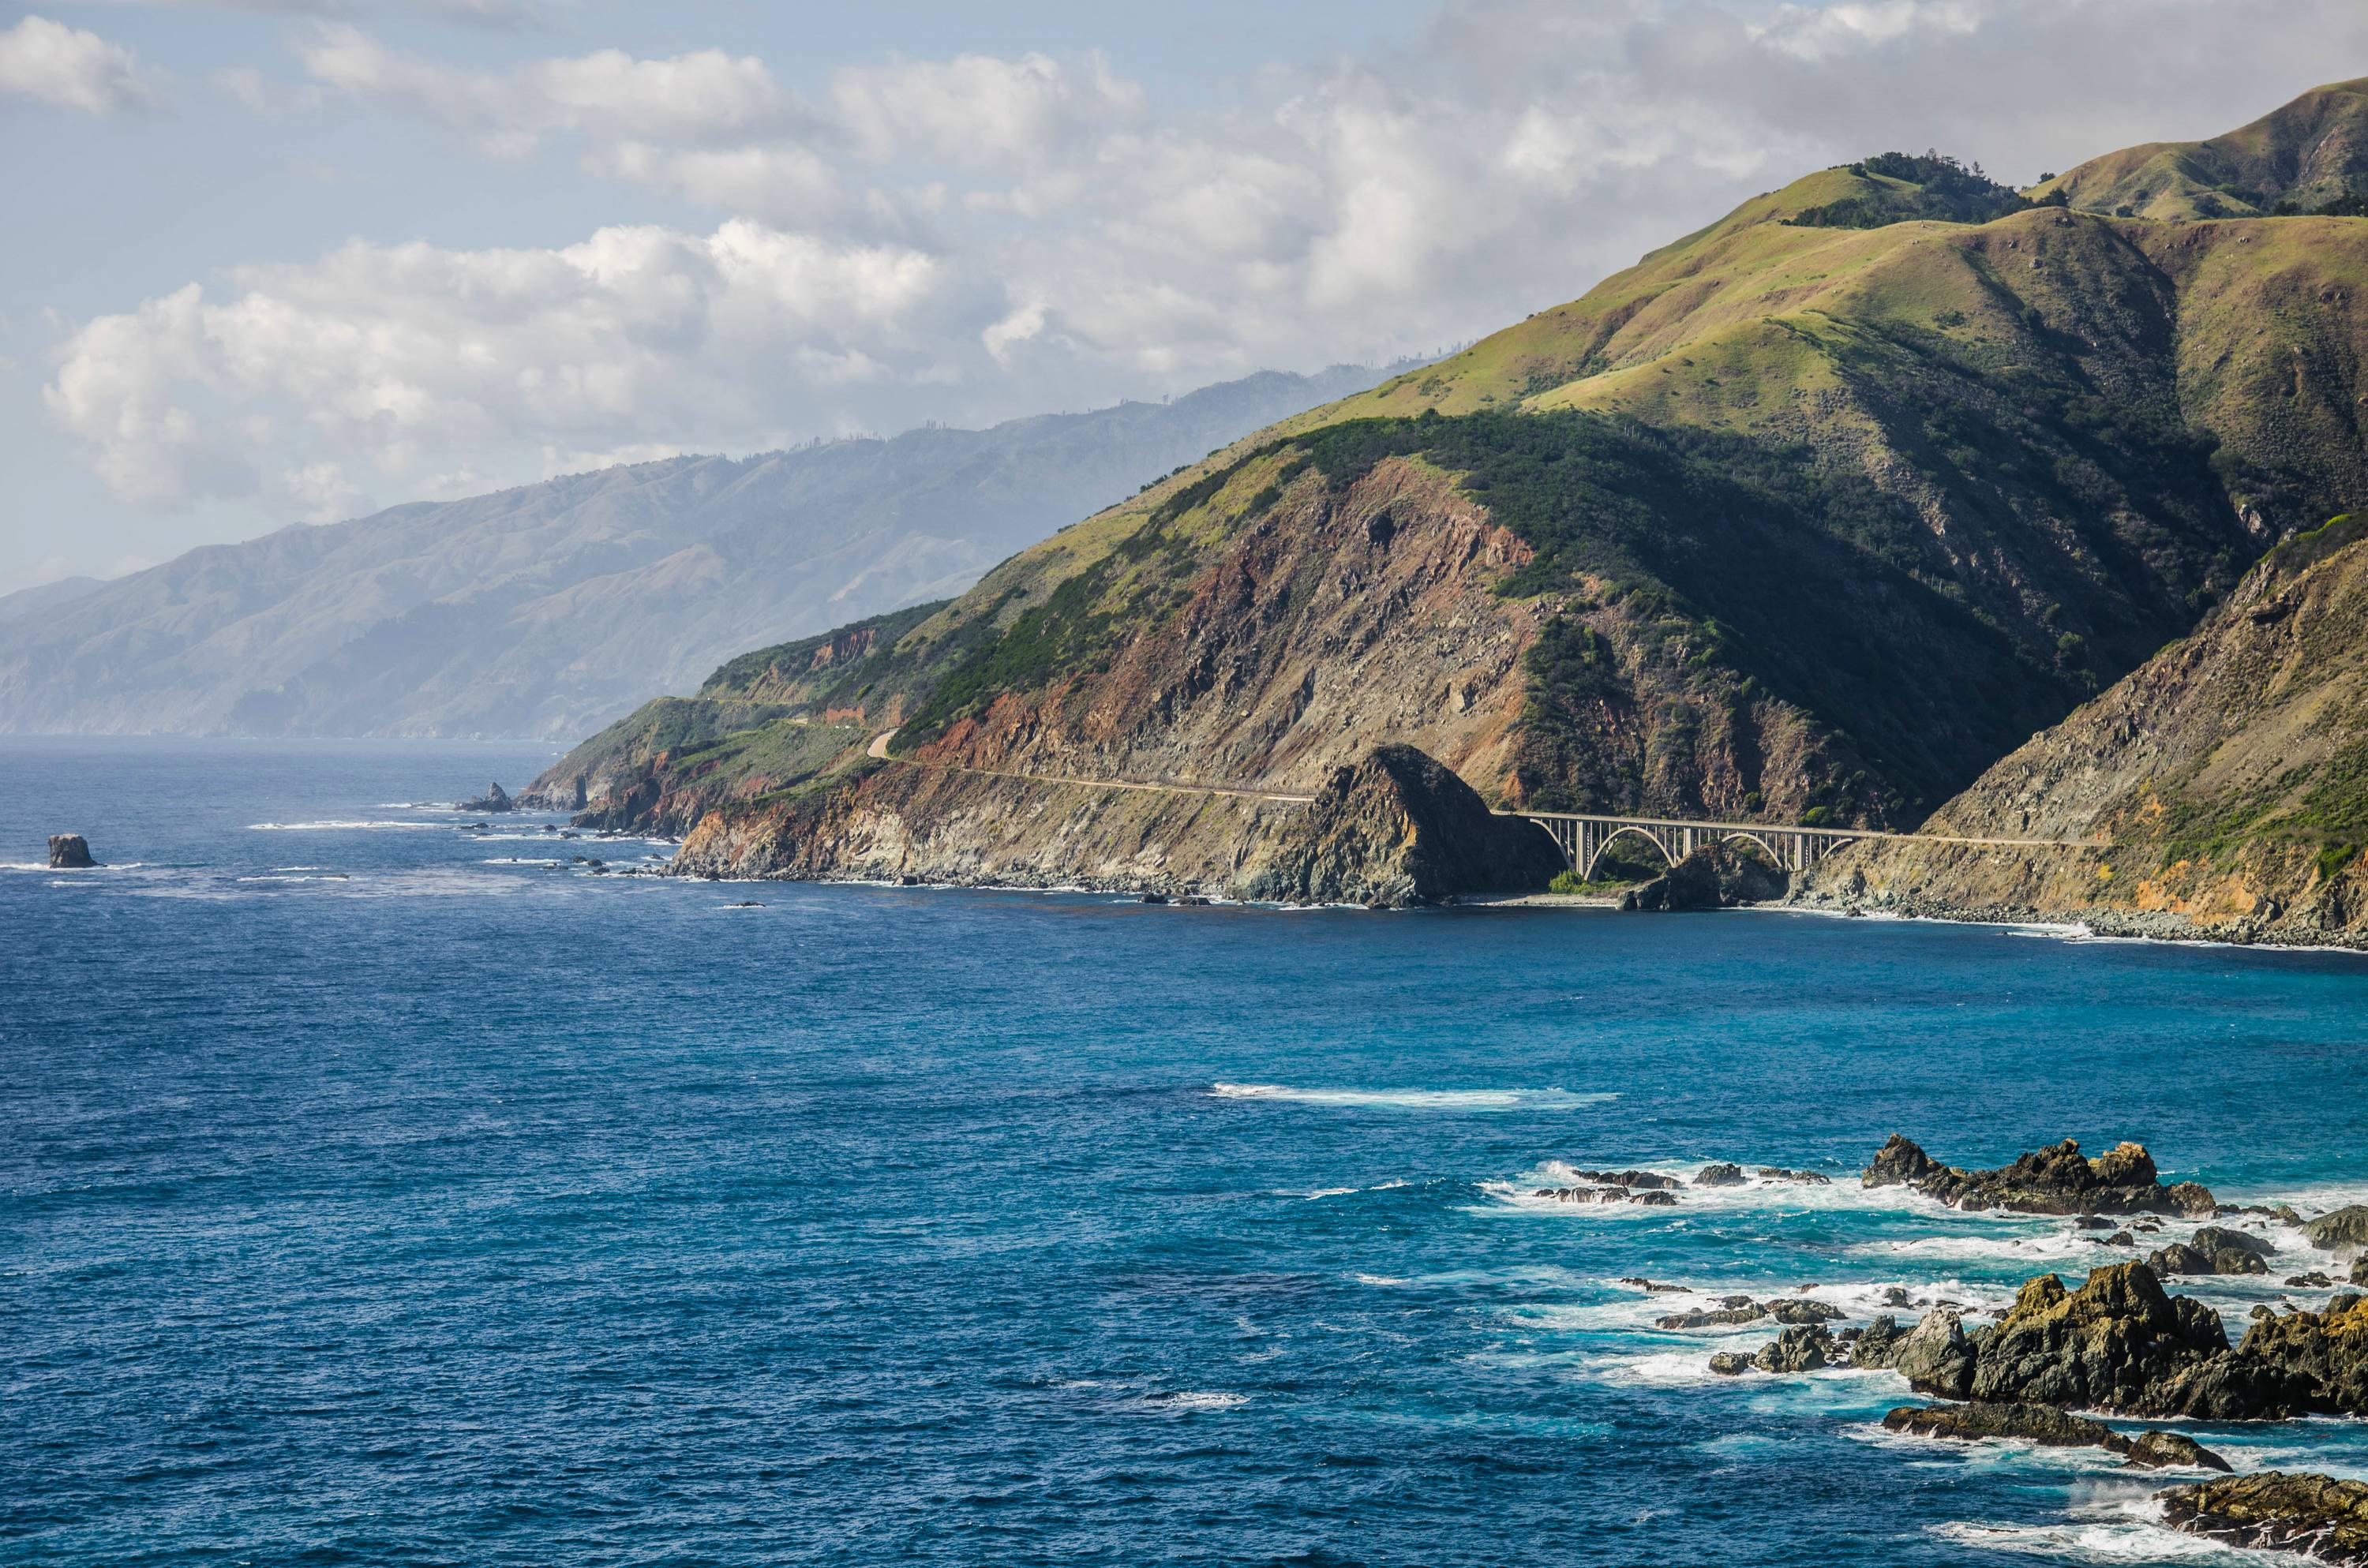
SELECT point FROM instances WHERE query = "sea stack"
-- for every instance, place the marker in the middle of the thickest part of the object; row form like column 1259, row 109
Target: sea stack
column 69, row 852
column 495, row 798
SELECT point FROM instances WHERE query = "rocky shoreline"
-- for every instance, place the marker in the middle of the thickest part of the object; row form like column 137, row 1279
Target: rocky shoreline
column 2139, row 924
column 2054, row 1368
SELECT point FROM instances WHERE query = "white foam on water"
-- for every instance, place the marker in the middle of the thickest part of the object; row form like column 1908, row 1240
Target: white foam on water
column 2105, row 1525
column 343, row 826
column 1191, row 1399
column 1414, row 1099
column 1379, row 1280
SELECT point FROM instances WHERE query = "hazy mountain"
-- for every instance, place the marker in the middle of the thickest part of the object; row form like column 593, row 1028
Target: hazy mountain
column 551, row 608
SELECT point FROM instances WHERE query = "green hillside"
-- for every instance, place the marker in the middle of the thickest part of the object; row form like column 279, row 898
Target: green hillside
column 1816, row 511
column 2308, row 156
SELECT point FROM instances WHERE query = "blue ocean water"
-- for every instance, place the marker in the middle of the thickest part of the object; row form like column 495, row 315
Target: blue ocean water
column 373, row 1191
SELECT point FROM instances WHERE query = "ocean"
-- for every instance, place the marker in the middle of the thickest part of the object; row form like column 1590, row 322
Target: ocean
column 375, row 1190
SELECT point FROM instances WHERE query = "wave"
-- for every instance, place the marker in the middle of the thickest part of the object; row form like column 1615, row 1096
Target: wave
column 343, row 825
column 2111, row 1526
column 1416, row 1099
column 1191, row 1399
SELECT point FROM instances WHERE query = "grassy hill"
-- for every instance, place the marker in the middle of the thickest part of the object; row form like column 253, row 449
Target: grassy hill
column 1811, row 514
column 2309, row 154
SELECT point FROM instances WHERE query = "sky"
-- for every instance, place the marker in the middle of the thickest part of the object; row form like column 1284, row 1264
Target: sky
column 276, row 262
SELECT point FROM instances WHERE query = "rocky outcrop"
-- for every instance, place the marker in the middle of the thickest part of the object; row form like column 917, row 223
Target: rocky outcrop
column 2053, row 1180
column 2197, row 1257
column 69, row 852
column 1720, row 1176
column 2320, row 1358
column 2051, row 1427
column 2269, row 1510
column 2118, row 1343
column 495, row 798
column 2342, row 1230
column 1802, row 1348
column 1713, row 877
column 1398, row 829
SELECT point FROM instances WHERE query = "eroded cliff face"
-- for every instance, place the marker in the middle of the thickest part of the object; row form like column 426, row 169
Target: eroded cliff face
column 1323, row 625
column 2220, row 790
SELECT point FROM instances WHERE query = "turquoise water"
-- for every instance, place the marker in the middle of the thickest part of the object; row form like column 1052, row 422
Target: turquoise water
column 373, row 1193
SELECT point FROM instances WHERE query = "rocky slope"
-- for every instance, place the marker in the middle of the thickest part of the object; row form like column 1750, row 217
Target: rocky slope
column 555, row 607
column 1787, row 521
column 2222, row 787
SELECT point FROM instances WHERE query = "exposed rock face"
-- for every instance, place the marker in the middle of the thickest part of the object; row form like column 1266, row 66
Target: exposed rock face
column 2210, row 781
column 2055, row 1180
column 1719, row 1176
column 69, row 852
column 495, row 798
column 2322, row 1356
column 1713, row 877
column 2118, row 1343
column 1399, row 829
column 1728, row 1364
column 1935, row 1357
column 2273, row 1511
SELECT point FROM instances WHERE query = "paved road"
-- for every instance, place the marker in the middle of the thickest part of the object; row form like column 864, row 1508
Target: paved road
column 878, row 749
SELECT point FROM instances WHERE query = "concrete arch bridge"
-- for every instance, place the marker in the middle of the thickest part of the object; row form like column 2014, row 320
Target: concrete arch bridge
column 1582, row 838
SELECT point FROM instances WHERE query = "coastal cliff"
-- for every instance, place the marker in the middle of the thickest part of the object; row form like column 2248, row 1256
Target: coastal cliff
column 1808, row 517
column 2220, row 790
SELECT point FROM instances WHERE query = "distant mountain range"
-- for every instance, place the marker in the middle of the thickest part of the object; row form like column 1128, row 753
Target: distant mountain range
column 552, row 609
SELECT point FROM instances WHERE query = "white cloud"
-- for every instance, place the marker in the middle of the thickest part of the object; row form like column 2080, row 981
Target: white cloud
column 393, row 353
column 609, row 92
column 68, row 68
column 972, row 238
column 976, row 110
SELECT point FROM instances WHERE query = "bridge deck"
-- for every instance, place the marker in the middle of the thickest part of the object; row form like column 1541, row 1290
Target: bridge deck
column 1601, row 819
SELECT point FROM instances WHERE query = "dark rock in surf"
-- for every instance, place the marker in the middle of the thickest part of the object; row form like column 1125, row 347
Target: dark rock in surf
column 2053, row 1180
column 2182, row 1258
column 1654, row 1199
column 2316, row 1280
column 1720, row 1176
column 2220, row 1238
column 2345, row 1228
column 69, row 852
column 1629, row 1178
column 1803, row 1348
column 1877, row 1345
column 2155, row 1449
column 1936, row 1356
column 495, row 798
column 1805, row 1312
column 2041, row 1423
column 1727, row 1364
column 1750, row 1311
column 2271, row 1510
column 1805, row 1178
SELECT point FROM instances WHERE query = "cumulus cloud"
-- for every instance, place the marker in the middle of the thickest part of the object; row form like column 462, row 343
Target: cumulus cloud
column 403, row 356
column 65, row 67
column 972, row 238
column 609, row 92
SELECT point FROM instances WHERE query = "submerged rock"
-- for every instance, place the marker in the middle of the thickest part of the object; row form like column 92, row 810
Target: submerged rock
column 2041, row 1423
column 2050, row 1426
column 2275, row 1511
column 2053, row 1180
column 69, row 852
column 1806, row 1178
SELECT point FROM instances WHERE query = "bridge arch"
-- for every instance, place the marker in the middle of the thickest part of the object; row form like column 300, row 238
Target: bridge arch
column 1650, row 835
column 1775, row 857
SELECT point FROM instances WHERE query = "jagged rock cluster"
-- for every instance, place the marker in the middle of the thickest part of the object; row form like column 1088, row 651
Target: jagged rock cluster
column 2053, row 1180
column 2271, row 1510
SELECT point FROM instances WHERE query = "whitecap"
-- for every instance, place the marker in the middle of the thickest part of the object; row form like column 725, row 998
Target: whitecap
column 341, row 825
column 1191, row 1399
column 1416, row 1099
